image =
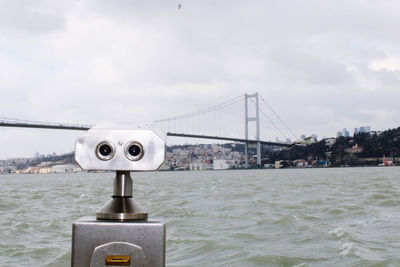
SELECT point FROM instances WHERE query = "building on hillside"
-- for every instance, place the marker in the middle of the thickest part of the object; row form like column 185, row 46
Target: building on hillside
column 377, row 133
column 321, row 163
column 199, row 166
column 65, row 168
column 280, row 164
column 7, row 169
column 223, row 164
column 330, row 141
column 31, row 170
column 46, row 169
column 300, row 163
column 354, row 149
column 269, row 166
column 387, row 161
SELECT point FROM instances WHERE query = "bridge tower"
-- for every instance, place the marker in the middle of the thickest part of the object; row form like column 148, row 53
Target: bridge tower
column 256, row 119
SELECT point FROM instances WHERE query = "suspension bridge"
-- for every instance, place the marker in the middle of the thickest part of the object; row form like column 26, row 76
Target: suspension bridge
column 218, row 122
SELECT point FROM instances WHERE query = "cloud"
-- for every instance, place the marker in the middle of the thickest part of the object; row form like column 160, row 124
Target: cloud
column 392, row 64
column 31, row 18
column 320, row 65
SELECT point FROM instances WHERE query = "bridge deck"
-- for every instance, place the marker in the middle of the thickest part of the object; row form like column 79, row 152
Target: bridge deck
column 225, row 138
column 85, row 128
column 45, row 126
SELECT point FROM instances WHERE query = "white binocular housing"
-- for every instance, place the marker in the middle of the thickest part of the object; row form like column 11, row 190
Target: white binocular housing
column 120, row 149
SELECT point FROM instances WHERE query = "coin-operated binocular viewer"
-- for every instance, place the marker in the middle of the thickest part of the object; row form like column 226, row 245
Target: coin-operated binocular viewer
column 121, row 234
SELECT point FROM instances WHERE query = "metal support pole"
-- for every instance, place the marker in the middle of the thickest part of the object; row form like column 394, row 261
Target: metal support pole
column 122, row 206
column 123, row 184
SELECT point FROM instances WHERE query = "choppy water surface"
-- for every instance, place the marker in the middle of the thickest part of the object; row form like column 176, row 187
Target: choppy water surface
column 295, row 217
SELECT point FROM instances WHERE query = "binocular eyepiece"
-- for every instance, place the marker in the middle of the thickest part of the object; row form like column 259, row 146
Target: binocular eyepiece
column 106, row 150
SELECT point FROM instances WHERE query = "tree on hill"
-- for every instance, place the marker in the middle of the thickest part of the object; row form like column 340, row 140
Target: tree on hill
column 374, row 145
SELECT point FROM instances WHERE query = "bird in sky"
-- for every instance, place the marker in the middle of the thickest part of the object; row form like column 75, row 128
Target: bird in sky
column 304, row 142
column 179, row 5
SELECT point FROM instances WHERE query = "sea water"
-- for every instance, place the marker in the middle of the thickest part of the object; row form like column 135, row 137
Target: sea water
column 287, row 217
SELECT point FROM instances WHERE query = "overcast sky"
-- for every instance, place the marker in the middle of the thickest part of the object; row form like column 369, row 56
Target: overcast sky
column 322, row 65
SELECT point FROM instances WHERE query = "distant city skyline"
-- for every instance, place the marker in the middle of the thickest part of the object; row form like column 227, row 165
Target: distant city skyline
column 363, row 129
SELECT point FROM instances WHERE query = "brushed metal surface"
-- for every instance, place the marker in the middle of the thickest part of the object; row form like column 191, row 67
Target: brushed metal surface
column 123, row 184
column 89, row 233
column 121, row 208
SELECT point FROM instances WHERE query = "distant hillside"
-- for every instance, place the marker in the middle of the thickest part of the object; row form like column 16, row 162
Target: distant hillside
column 23, row 163
column 361, row 149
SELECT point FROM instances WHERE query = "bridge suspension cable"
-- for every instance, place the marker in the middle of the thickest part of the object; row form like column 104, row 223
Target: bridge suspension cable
column 277, row 116
column 272, row 123
column 204, row 111
column 269, row 119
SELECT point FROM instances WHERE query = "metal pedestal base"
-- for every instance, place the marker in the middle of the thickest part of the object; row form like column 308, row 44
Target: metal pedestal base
column 98, row 243
column 121, row 208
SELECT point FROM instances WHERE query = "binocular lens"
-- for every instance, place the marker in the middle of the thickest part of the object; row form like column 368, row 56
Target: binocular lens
column 134, row 151
column 105, row 150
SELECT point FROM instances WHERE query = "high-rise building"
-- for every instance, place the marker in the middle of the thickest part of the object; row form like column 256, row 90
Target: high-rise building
column 356, row 131
column 345, row 133
column 365, row 129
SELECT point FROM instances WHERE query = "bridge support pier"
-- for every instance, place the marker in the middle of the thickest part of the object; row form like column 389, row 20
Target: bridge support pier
column 258, row 154
column 246, row 154
column 256, row 118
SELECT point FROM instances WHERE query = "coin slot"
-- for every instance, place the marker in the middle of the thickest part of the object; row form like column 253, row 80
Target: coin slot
column 118, row 260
